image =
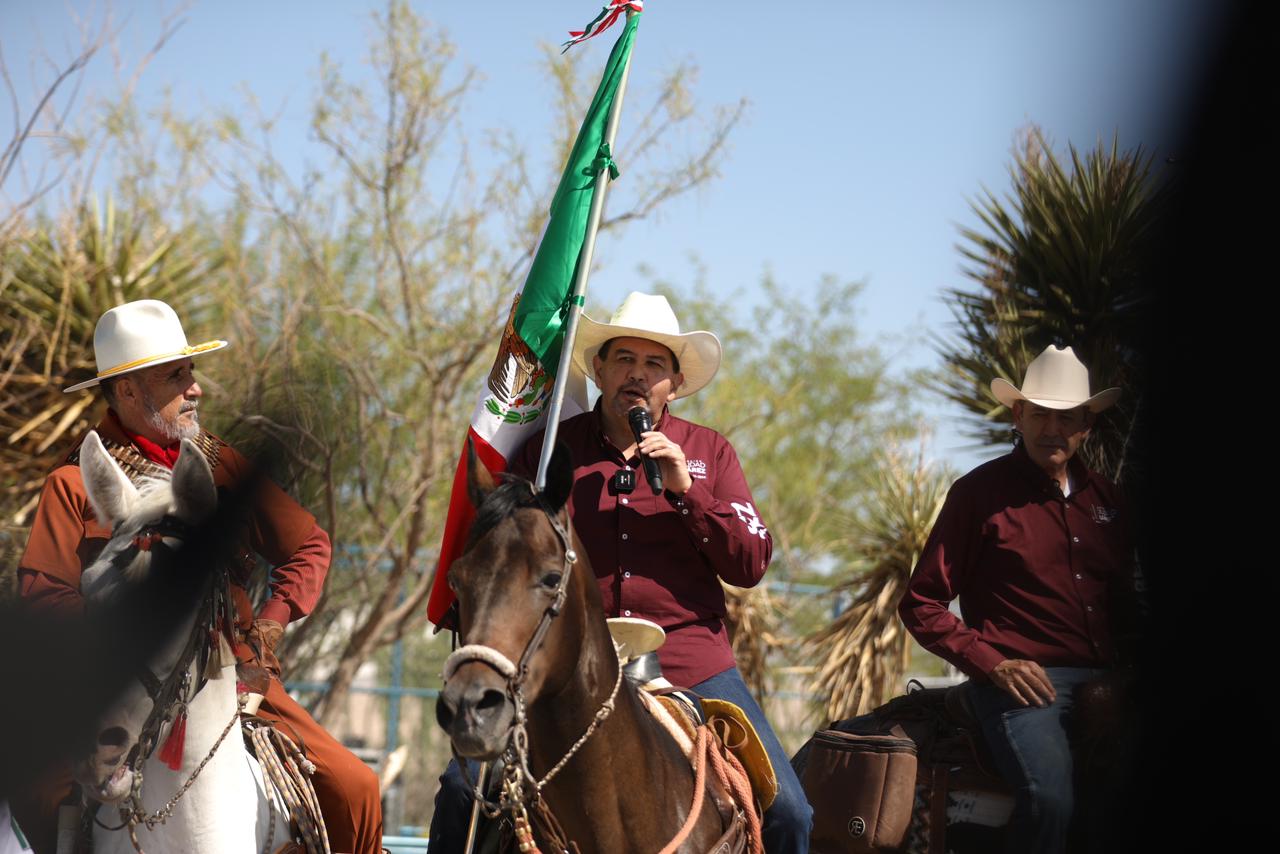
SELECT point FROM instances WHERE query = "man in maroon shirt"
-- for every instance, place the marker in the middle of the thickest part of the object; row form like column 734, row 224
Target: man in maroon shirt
column 145, row 371
column 661, row 556
column 1037, row 549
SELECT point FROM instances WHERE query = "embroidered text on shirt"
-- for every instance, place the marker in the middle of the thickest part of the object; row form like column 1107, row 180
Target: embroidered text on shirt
column 747, row 514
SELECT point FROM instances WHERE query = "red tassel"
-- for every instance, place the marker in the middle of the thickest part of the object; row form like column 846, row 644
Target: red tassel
column 171, row 751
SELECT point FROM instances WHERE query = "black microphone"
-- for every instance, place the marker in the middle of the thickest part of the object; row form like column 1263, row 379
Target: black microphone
column 640, row 422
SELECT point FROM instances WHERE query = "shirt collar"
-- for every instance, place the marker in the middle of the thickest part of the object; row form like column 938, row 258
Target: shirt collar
column 1077, row 471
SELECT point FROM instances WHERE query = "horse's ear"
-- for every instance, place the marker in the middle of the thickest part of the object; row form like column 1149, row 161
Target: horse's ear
column 479, row 480
column 559, row 478
column 194, row 495
column 110, row 492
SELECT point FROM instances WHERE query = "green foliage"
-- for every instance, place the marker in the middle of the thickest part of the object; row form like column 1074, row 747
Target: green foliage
column 1058, row 262
column 58, row 278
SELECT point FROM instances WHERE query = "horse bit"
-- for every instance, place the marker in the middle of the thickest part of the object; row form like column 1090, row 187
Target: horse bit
column 515, row 757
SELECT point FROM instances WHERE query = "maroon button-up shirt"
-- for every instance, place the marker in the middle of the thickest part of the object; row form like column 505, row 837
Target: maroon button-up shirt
column 1039, row 576
column 660, row 556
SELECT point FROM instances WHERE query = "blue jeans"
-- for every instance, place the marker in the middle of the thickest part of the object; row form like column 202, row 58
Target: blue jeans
column 1032, row 753
column 786, row 823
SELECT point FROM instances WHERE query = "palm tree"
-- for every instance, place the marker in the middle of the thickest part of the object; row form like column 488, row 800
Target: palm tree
column 864, row 652
column 1059, row 261
column 56, row 280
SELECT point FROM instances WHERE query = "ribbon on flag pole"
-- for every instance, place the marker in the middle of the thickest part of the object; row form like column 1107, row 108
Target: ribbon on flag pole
column 607, row 18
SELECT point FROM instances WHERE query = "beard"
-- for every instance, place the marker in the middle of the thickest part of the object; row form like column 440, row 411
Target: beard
column 173, row 430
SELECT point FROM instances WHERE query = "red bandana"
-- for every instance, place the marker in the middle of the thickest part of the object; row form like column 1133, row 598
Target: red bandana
column 160, row 456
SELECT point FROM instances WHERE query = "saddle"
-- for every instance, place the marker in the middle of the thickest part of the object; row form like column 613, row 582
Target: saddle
column 715, row 734
column 921, row 757
column 862, row 774
column 637, row 641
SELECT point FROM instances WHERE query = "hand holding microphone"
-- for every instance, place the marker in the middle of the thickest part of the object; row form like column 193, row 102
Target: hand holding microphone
column 661, row 453
column 638, row 418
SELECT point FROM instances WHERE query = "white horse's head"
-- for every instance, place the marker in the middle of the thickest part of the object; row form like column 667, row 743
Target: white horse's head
column 147, row 522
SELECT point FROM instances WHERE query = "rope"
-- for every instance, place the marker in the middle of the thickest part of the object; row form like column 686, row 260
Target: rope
column 734, row 778
column 289, row 773
column 699, row 786
column 606, row 708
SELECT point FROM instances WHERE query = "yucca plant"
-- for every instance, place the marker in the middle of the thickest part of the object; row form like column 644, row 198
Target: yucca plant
column 864, row 652
column 1059, row 261
column 57, row 280
column 753, row 621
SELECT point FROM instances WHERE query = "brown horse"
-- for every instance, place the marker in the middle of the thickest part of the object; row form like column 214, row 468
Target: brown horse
column 539, row 662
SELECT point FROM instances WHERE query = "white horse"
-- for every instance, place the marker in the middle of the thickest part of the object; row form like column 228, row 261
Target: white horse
column 225, row 809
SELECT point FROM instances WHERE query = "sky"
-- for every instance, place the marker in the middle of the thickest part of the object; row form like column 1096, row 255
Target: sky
column 870, row 125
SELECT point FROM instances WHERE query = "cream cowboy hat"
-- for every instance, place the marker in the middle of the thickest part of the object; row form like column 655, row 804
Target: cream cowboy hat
column 138, row 335
column 649, row 316
column 1056, row 379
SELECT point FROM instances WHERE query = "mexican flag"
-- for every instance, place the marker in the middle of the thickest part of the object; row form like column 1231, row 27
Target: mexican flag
column 513, row 403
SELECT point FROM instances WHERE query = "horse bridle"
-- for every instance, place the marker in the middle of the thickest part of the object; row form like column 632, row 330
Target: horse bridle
column 169, row 695
column 516, row 755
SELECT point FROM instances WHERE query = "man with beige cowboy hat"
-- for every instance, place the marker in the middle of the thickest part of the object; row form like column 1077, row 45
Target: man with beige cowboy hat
column 660, row 556
column 145, row 371
column 1037, row 549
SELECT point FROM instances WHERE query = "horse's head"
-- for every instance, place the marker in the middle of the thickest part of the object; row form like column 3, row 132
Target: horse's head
column 148, row 524
column 508, row 581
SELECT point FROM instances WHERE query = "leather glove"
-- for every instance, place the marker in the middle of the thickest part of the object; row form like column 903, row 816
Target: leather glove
column 263, row 637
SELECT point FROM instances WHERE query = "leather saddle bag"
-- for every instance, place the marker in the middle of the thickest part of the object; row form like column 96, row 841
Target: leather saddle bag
column 862, row 790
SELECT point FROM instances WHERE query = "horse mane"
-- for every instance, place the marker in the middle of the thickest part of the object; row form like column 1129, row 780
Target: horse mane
column 514, row 493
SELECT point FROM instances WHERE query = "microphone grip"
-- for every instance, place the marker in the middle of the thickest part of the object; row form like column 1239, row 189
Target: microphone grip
column 638, row 418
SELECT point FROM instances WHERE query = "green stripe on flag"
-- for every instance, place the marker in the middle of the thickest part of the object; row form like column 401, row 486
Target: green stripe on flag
column 544, row 302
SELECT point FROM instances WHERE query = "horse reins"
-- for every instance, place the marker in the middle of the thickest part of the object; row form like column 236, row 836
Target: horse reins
column 516, row 755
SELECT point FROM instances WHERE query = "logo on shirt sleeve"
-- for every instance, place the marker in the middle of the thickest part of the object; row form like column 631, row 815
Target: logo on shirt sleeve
column 697, row 468
column 747, row 514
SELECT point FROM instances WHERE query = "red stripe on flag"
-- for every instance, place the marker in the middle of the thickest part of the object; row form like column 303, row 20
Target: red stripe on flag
column 458, row 523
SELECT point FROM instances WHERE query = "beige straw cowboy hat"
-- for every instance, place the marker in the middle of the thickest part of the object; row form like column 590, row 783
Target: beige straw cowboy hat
column 139, row 335
column 1056, row 379
column 650, row 316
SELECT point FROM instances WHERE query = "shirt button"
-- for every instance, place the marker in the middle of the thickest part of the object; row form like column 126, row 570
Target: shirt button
column 1088, row 608
column 705, row 540
column 626, row 613
column 685, row 511
column 625, row 501
column 1075, row 539
column 1079, row 576
column 624, row 536
column 626, row 575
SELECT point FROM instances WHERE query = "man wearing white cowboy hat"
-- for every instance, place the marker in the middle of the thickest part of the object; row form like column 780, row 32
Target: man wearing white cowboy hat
column 145, row 371
column 1036, row 547
column 660, row 556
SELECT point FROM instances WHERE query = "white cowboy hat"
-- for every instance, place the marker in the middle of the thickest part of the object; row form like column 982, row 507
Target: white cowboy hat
column 138, row 335
column 1055, row 379
column 650, row 316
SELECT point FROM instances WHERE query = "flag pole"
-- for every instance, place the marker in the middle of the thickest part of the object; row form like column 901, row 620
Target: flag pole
column 583, row 270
